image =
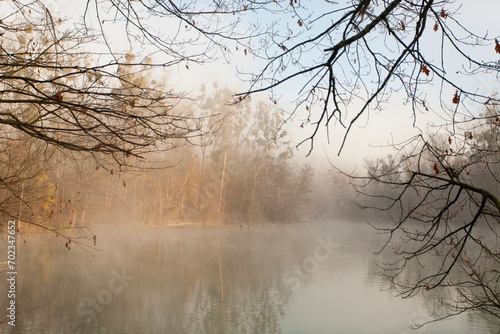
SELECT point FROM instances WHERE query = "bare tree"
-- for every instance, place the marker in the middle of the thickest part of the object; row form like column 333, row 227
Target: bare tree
column 445, row 192
column 59, row 94
column 56, row 90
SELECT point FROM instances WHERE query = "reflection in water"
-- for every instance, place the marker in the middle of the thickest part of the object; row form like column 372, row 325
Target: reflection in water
column 283, row 279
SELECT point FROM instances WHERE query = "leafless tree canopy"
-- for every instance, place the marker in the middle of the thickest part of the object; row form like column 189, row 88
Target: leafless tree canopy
column 347, row 57
column 54, row 88
column 60, row 94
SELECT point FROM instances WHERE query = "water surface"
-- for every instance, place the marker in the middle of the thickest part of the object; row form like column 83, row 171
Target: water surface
column 296, row 278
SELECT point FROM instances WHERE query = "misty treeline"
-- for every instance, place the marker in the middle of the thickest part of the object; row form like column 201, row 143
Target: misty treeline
column 466, row 157
column 91, row 136
column 385, row 187
column 242, row 172
column 61, row 100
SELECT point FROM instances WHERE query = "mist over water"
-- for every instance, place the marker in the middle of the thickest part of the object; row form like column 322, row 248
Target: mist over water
column 293, row 278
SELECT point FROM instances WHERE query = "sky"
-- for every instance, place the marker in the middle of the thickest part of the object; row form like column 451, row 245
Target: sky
column 379, row 128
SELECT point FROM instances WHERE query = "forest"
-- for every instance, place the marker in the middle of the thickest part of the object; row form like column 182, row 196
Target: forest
column 241, row 173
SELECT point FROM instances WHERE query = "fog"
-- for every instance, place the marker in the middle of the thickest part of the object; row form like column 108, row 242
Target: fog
column 290, row 278
column 237, row 232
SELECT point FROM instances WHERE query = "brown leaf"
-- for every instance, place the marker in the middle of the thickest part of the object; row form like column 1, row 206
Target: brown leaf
column 497, row 46
column 57, row 97
column 132, row 104
column 245, row 7
column 427, row 288
column 456, row 98
column 436, row 26
column 95, row 240
column 245, row 51
column 443, row 14
column 425, row 107
column 403, row 27
column 424, row 69
column 112, row 172
column 436, row 169
column 299, row 22
column 124, row 184
column 449, row 140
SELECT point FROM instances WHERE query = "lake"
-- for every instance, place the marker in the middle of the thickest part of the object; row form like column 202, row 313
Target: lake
column 296, row 278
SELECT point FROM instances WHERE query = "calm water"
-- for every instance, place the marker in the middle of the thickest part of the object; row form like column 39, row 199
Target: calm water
column 301, row 278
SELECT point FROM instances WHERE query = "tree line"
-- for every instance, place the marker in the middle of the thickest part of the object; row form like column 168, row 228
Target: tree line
column 243, row 172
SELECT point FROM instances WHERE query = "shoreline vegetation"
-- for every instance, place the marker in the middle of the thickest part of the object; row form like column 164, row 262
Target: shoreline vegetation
column 89, row 231
column 243, row 171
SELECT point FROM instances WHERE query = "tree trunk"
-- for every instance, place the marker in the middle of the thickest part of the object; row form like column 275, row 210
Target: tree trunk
column 221, row 184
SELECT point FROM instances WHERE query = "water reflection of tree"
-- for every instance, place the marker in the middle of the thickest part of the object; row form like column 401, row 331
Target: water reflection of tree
column 235, row 291
column 186, row 281
column 436, row 302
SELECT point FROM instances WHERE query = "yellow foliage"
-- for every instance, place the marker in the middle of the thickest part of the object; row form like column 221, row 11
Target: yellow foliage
column 48, row 191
